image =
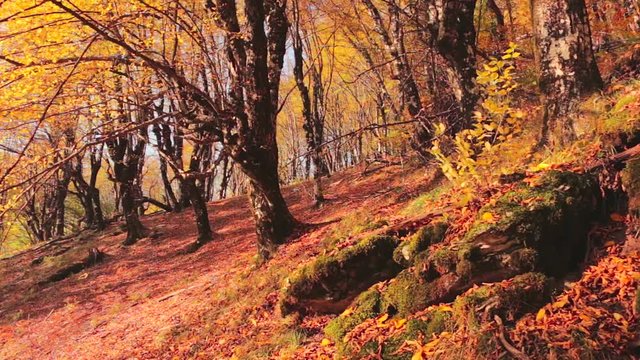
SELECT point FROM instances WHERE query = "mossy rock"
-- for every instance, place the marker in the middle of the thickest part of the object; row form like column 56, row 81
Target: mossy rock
column 510, row 299
column 419, row 242
column 366, row 306
column 631, row 182
column 550, row 219
column 331, row 282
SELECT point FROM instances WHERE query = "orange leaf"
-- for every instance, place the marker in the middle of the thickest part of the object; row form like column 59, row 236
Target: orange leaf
column 617, row 217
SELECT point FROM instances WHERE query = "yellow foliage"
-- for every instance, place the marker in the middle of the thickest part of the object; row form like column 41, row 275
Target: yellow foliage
column 496, row 122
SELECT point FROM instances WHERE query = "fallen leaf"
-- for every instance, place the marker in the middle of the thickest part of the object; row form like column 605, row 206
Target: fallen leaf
column 347, row 312
column 488, row 217
column 540, row 167
column 541, row 314
column 399, row 323
column 617, row 217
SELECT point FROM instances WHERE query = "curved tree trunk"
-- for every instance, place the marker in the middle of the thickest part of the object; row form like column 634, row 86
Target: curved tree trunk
column 201, row 214
column 568, row 68
column 274, row 221
column 256, row 66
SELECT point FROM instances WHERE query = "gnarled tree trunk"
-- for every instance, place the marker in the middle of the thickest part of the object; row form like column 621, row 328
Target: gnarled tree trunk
column 256, row 65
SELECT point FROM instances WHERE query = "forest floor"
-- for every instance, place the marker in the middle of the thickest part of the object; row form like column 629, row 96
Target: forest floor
column 151, row 301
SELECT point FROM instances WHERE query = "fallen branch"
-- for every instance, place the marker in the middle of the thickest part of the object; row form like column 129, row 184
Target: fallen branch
column 505, row 343
column 616, row 159
column 157, row 203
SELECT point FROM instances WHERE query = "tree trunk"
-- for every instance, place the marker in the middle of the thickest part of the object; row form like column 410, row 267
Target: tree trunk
column 497, row 12
column 256, row 61
column 394, row 44
column 313, row 121
column 165, row 147
column 274, row 221
column 451, row 24
column 196, row 197
column 201, row 214
column 135, row 229
column 60, row 198
column 568, row 68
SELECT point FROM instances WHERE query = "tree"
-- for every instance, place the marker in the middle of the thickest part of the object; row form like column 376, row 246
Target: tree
column 393, row 41
column 450, row 24
column 568, row 68
column 256, row 67
column 87, row 192
column 313, row 115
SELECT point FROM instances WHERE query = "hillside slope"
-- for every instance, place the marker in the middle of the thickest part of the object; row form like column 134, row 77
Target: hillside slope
column 151, row 301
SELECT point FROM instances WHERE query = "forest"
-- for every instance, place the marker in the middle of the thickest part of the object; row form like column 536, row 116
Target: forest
column 320, row 179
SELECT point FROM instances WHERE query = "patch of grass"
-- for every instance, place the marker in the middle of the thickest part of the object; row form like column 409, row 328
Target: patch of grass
column 15, row 316
column 355, row 223
column 138, row 296
column 419, row 204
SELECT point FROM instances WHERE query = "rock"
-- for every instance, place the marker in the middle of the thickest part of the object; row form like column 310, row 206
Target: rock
column 536, row 227
column 510, row 299
column 331, row 282
column 406, row 253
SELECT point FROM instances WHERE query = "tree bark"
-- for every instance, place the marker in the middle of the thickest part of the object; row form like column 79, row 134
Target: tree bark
column 313, row 120
column 197, row 199
column 256, row 64
column 568, row 68
column 62, row 191
column 274, row 221
column 394, row 44
column 453, row 35
column 135, row 229
column 497, row 12
column 201, row 215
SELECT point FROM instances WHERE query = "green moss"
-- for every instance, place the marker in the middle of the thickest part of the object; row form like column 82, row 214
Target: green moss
column 431, row 234
column 353, row 224
column 544, row 201
column 366, row 306
column 552, row 216
column 335, row 276
column 428, row 324
column 465, row 269
column 408, row 293
column 419, row 204
column 509, row 299
column 444, row 260
column 468, row 251
column 523, row 260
